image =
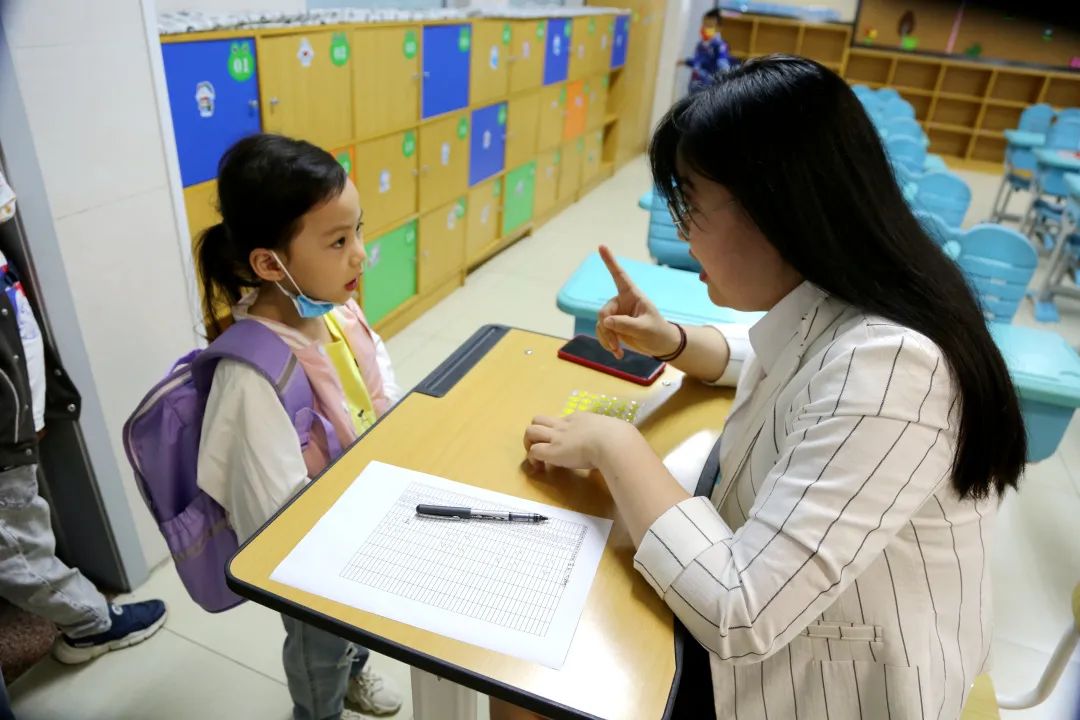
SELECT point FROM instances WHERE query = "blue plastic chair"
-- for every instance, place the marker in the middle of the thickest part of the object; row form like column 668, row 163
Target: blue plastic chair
column 1036, row 118
column 886, row 94
column 663, row 241
column 1044, row 214
column 862, row 91
column 1020, row 161
column 998, row 263
column 945, row 194
column 907, row 152
column 905, row 126
column 938, row 230
column 1069, row 115
column 898, row 108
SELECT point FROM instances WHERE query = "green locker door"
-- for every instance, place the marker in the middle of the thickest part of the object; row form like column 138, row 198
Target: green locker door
column 518, row 198
column 390, row 278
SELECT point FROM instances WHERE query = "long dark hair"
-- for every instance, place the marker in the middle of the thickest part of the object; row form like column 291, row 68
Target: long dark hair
column 792, row 144
column 265, row 185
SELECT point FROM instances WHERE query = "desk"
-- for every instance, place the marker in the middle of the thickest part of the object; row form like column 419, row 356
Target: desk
column 1061, row 260
column 1066, row 160
column 465, row 422
column 1024, row 139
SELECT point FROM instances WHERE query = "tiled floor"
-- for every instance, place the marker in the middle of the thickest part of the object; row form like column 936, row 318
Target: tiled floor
column 207, row 666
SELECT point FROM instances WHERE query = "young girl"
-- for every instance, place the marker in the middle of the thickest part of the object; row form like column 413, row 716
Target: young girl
column 289, row 253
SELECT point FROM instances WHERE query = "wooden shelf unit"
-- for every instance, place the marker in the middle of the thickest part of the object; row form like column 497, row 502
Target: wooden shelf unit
column 754, row 35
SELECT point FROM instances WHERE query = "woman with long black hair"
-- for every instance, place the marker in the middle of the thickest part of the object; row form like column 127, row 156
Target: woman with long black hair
column 839, row 568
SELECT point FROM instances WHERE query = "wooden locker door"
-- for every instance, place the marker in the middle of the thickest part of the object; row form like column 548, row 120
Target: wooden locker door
column 552, row 116
column 442, row 245
column 547, row 182
column 523, row 121
column 594, row 151
column 386, row 176
column 200, row 205
column 580, row 46
column 576, row 110
column 306, row 91
column 386, row 79
column 346, row 157
column 603, row 42
column 482, row 218
column 444, row 160
column 488, row 76
column 596, row 92
column 526, row 59
column 570, row 162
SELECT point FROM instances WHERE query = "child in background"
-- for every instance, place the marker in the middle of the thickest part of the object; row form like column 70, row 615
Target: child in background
column 710, row 55
column 289, row 253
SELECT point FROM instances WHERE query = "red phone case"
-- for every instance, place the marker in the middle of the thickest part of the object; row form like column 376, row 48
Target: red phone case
column 612, row 371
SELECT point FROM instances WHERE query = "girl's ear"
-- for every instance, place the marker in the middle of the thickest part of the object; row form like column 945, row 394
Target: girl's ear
column 265, row 265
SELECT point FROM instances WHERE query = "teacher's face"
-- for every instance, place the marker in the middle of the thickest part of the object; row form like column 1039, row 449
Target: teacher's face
column 741, row 269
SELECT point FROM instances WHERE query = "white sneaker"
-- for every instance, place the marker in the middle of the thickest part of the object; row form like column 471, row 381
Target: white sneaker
column 373, row 693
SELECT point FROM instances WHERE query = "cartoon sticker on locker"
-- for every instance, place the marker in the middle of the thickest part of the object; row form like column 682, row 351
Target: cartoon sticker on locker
column 445, row 154
column 384, row 182
column 525, row 49
column 487, row 139
column 485, row 214
column 373, row 255
column 556, row 45
column 305, row 54
column 204, row 98
column 451, row 219
column 493, row 57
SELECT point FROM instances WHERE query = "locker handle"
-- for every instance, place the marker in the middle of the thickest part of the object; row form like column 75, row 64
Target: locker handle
column 425, row 169
column 417, row 76
column 415, row 172
column 274, row 101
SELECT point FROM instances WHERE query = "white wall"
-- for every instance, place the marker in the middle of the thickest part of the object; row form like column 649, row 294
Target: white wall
column 85, row 77
column 846, row 8
column 231, row 5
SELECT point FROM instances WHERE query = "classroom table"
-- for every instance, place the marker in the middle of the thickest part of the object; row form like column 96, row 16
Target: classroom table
column 1067, row 160
column 1024, row 139
column 465, row 422
column 1053, row 283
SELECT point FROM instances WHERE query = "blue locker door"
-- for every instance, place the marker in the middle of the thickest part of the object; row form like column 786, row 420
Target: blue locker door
column 446, row 69
column 214, row 101
column 622, row 39
column 487, row 151
column 557, row 55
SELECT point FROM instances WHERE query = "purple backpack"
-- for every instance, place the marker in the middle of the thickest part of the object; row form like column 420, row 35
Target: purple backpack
column 162, row 442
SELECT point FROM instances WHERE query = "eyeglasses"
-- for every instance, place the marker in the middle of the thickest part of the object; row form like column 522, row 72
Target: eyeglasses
column 682, row 224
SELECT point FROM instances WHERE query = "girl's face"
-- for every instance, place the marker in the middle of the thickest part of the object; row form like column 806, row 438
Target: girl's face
column 740, row 267
column 326, row 257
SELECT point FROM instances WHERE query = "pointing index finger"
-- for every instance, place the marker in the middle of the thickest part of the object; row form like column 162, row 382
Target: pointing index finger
column 623, row 283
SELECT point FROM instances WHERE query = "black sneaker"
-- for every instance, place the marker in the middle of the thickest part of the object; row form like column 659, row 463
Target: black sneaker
column 131, row 624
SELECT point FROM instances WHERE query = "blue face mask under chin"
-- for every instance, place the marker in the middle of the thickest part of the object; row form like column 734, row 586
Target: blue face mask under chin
column 306, row 307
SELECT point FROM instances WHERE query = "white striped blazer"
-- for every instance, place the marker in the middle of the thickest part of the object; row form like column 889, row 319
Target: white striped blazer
column 833, row 573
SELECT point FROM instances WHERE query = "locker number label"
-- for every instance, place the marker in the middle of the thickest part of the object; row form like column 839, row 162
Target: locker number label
column 346, row 162
column 540, row 31
column 408, row 144
column 464, row 39
column 241, row 62
column 566, row 29
column 496, row 188
column 459, row 208
column 339, row 49
column 305, row 53
column 592, row 26
column 463, row 128
column 410, row 45
column 506, row 34
column 502, row 114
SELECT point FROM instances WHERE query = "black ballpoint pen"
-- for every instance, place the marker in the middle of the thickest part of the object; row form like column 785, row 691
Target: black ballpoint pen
column 464, row 513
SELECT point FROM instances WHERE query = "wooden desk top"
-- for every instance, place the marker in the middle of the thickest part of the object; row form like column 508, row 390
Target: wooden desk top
column 622, row 661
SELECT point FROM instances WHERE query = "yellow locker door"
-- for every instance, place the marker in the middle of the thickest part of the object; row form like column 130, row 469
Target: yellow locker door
column 552, row 116
column 482, row 218
column 386, row 79
column 522, row 122
column 441, row 253
column 603, row 40
column 488, row 76
column 444, row 160
column 386, row 178
column 547, row 182
column 306, row 87
column 200, row 204
column 527, row 46
column 594, row 152
column 580, row 45
column 596, row 91
column 573, row 157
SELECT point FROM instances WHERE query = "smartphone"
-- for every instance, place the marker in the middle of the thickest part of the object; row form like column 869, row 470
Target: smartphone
column 635, row 367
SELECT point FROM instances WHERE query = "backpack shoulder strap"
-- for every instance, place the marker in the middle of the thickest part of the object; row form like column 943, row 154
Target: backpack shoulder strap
column 259, row 347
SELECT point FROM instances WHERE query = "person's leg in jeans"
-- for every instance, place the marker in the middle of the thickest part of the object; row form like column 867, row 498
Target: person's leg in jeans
column 31, row 576
column 318, row 666
column 324, row 670
column 34, row 579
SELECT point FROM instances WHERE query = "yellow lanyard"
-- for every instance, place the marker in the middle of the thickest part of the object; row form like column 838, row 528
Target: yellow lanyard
column 357, row 399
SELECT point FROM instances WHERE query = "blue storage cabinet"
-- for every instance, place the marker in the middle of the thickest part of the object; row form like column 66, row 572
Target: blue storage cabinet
column 557, row 52
column 487, row 148
column 1046, row 373
column 446, row 51
column 678, row 294
column 621, row 41
column 213, row 98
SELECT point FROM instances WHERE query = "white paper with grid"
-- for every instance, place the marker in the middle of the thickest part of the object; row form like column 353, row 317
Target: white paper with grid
column 517, row 588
